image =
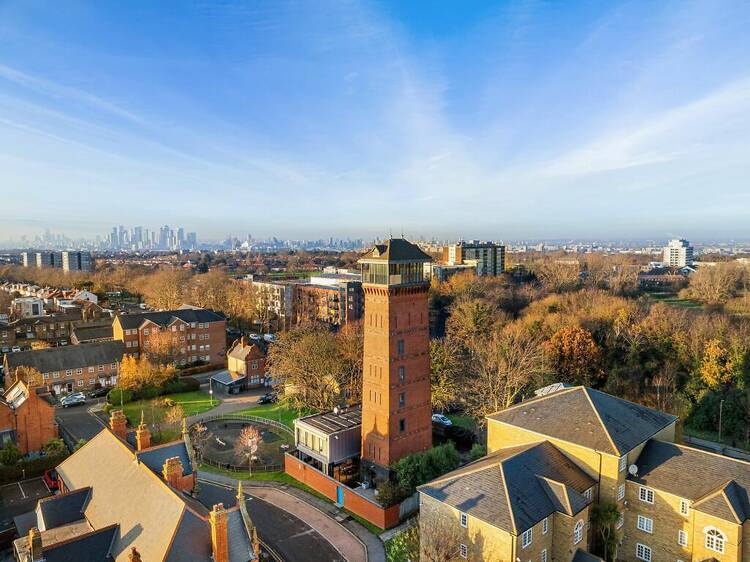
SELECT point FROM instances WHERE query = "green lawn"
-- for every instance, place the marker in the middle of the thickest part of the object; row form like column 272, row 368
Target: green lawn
column 673, row 300
column 279, row 411
column 194, row 402
column 463, row 421
column 284, row 478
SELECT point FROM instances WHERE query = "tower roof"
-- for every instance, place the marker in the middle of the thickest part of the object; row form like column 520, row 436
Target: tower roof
column 396, row 250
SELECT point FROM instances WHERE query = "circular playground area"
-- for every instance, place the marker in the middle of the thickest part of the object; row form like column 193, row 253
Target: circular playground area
column 223, row 435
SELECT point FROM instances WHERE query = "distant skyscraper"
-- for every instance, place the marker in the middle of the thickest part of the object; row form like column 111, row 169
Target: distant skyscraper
column 678, row 253
column 192, row 241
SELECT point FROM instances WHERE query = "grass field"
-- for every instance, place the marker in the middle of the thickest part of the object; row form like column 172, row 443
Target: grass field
column 463, row 421
column 673, row 300
column 278, row 411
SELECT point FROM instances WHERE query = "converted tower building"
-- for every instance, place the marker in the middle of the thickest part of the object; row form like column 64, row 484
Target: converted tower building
column 396, row 411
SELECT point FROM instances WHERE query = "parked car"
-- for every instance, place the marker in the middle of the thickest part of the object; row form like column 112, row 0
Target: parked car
column 75, row 399
column 51, row 479
column 441, row 419
column 268, row 398
column 16, row 348
column 99, row 392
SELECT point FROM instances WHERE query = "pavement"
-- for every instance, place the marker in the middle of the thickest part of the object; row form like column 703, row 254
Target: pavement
column 288, row 536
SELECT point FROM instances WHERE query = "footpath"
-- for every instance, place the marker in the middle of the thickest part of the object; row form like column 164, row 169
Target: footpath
column 352, row 540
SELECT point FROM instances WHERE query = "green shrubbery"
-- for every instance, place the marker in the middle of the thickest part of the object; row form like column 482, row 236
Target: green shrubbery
column 174, row 386
column 29, row 468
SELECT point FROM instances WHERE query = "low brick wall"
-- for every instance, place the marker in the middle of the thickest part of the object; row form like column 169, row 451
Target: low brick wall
column 385, row 518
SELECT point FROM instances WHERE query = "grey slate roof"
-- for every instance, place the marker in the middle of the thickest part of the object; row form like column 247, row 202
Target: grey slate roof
column 227, row 377
column 330, row 423
column 68, row 357
column 583, row 556
column 61, row 509
column 396, row 250
column 718, row 485
column 165, row 318
column 515, row 488
column 589, row 418
column 87, row 334
column 93, row 547
column 155, row 457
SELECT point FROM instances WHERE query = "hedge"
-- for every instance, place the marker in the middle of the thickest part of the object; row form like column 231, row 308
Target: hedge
column 32, row 467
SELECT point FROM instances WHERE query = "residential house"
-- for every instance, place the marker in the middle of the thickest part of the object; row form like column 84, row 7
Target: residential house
column 91, row 332
column 69, row 368
column 246, row 367
column 197, row 334
column 27, row 307
column 27, row 417
column 129, row 512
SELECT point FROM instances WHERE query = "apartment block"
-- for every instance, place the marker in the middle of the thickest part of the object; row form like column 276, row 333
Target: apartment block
column 678, row 253
column 487, row 257
column 77, row 261
column 197, row 334
column 335, row 299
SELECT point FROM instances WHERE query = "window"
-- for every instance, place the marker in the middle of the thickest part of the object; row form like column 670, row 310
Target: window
column 620, row 491
column 254, row 365
column 192, row 324
column 578, row 532
column 646, row 494
column 56, row 375
column 715, row 539
column 464, row 520
column 92, row 381
column 545, row 525
column 527, row 537
column 543, row 556
column 402, row 425
column 645, row 524
column 400, row 346
column 587, row 494
column 208, row 346
column 80, row 382
column 145, row 331
column 91, row 369
column 401, row 373
column 182, row 327
column 174, row 328
column 684, row 508
column 682, row 538
column 643, row 552
column 45, row 376
column 623, row 464
column 463, row 550
column 100, row 368
column 620, row 521
column 402, row 400
column 69, row 373
column 113, row 366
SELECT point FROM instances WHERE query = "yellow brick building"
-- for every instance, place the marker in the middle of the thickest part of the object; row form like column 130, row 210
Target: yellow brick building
column 553, row 456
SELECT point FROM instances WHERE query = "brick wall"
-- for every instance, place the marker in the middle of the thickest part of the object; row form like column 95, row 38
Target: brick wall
column 34, row 422
column 385, row 518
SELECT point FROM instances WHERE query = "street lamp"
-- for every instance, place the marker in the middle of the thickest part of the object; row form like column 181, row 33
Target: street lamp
column 211, row 391
column 721, row 411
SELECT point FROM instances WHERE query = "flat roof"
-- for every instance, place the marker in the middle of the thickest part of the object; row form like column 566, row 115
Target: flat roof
column 330, row 423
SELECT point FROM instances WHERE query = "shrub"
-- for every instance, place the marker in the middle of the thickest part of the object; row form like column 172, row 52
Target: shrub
column 390, row 493
column 116, row 396
column 10, row 454
column 414, row 470
column 148, row 392
column 29, row 468
column 55, row 447
column 185, row 384
column 477, row 451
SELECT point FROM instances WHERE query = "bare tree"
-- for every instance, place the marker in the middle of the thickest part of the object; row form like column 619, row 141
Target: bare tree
column 715, row 285
column 558, row 274
column 247, row 444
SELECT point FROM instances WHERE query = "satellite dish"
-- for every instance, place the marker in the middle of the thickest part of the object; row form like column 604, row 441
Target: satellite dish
column 633, row 470
column 336, row 410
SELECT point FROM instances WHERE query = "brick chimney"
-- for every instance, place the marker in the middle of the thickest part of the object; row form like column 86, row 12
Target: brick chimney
column 219, row 533
column 142, row 435
column 36, row 552
column 134, row 556
column 172, row 471
column 118, row 423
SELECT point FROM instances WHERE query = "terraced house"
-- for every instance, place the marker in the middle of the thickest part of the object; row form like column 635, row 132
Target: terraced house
column 553, row 456
column 197, row 334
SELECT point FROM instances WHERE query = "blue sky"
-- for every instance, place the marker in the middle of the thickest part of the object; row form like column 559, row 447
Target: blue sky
column 524, row 119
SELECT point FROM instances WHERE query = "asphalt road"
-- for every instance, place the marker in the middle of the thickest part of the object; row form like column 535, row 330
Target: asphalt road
column 290, row 537
column 78, row 422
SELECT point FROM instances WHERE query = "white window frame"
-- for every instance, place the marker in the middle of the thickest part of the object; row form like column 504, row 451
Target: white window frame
column 620, row 492
column 545, row 525
column 463, row 550
column 464, row 520
column 623, row 464
column 578, row 532
column 643, row 552
column 543, row 555
column 684, row 508
column 588, row 494
column 646, row 494
column 620, row 521
column 715, row 540
column 645, row 524
column 527, row 537
column 682, row 537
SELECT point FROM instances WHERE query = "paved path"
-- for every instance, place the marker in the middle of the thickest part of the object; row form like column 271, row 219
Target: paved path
column 340, row 536
column 230, row 404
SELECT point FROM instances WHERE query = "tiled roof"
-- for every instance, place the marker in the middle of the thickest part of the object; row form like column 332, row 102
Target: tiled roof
column 85, row 334
column 61, row 509
column 155, row 457
column 68, row 357
column 167, row 317
column 396, row 250
column 587, row 417
column 94, row 546
column 583, row 556
column 227, row 377
column 515, row 488
column 717, row 484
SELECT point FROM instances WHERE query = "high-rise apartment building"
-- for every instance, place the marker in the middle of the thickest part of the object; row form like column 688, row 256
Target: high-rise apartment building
column 396, row 411
column 49, row 259
column 678, row 253
column 489, row 257
column 77, row 261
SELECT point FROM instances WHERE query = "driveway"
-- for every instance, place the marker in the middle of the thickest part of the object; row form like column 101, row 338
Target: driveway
column 290, row 537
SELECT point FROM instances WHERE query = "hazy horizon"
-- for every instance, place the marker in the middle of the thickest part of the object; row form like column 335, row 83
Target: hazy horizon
column 499, row 120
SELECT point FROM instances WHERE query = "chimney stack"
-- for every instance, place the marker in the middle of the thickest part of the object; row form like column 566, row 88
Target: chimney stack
column 142, row 435
column 219, row 533
column 118, row 423
column 36, row 552
column 134, row 556
column 172, row 471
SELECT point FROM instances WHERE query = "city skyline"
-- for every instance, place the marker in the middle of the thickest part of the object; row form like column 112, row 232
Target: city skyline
column 511, row 120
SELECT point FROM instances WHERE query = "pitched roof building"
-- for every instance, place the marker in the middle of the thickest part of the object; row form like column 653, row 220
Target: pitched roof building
column 552, row 455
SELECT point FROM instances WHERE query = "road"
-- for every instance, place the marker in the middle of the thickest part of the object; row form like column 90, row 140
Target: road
column 291, row 538
column 78, row 422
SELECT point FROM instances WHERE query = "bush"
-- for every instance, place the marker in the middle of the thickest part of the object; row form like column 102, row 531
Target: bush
column 461, row 436
column 477, row 451
column 55, row 447
column 185, row 384
column 10, row 454
column 29, row 468
column 390, row 493
column 419, row 468
column 116, row 396
column 148, row 392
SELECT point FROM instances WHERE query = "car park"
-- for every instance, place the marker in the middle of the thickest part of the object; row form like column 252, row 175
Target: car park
column 442, row 420
column 51, row 479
